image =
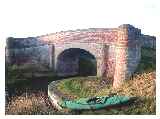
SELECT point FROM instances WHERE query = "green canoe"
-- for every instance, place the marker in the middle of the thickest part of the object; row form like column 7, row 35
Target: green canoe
column 94, row 102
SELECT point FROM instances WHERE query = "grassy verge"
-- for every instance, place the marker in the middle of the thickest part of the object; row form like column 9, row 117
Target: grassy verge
column 141, row 86
column 79, row 86
column 26, row 89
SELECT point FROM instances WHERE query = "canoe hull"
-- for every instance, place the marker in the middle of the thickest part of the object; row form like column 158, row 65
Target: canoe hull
column 83, row 104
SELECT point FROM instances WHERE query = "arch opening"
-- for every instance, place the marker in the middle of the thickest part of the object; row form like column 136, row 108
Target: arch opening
column 76, row 62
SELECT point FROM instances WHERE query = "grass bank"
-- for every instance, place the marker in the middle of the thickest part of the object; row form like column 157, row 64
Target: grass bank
column 26, row 89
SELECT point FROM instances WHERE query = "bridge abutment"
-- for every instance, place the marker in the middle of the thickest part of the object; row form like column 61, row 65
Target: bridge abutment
column 128, row 53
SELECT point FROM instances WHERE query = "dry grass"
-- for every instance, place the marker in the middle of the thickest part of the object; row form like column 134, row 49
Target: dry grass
column 142, row 85
column 32, row 103
column 26, row 90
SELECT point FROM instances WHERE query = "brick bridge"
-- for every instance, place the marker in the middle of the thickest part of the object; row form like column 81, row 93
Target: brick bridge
column 116, row 52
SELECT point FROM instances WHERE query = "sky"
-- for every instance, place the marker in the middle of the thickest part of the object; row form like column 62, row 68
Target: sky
column 23, row 18
column 27, row 18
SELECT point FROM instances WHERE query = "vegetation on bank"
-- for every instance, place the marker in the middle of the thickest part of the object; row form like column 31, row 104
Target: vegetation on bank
column 26, row 89
column 141, row 86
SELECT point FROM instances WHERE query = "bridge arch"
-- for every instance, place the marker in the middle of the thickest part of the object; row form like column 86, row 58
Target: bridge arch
column 95, row 49
column 76, row 61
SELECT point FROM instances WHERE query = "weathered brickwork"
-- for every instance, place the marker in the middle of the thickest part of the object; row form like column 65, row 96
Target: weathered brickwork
column 117, row 51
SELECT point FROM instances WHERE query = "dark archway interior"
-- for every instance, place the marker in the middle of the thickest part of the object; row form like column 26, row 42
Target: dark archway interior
column 76, row 61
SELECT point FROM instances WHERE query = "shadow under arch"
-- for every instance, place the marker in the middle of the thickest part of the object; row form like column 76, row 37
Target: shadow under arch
column 76, row 62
